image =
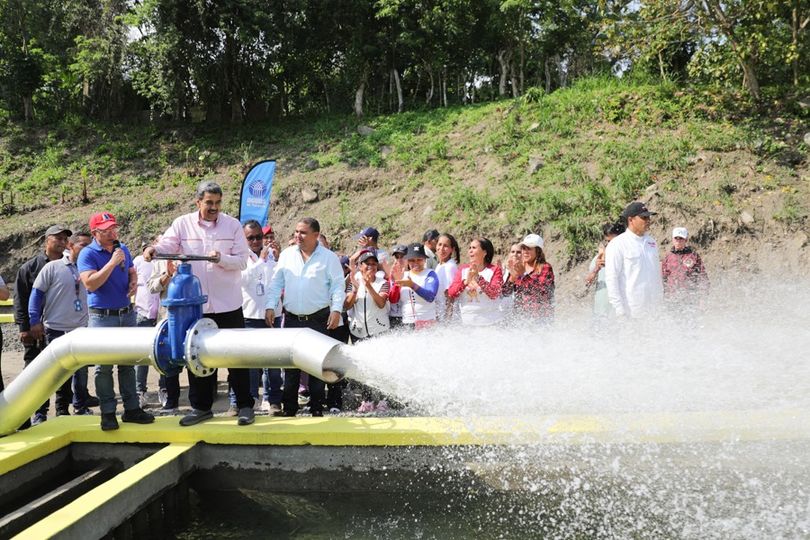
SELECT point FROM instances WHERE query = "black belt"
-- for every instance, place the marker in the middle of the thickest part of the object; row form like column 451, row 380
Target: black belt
column 321, row 314
column 119, row 311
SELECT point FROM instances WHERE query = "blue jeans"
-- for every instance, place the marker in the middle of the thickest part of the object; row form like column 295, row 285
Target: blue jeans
column 103, row 374
column 142, row 372
column 270, row 378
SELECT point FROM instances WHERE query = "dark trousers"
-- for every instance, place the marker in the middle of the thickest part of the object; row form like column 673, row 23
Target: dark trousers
column 334, row 391
column 172, row 385
column 64, row 394
column 201, row 390
column 292, row 377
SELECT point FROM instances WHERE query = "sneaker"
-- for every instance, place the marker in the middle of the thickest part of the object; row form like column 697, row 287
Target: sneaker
column 62, row 412
column 91, row 401
column 143, row 400
column 302, row 399
column 137, row 416
column 246, row 416
column 317, row 413
column 82, row 411
column 163, row 396
column 334, row 410
column 233, row 410
column 382, row 406
column 38, row 419
column 195, row 417
column 168, row 410
column 366, row 407
column 287, row 414
column 265, row 406
column 274, row 408
column 108, row 422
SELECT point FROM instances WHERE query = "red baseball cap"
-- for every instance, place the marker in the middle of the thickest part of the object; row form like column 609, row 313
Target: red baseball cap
column 102, row 221
column 267, row 229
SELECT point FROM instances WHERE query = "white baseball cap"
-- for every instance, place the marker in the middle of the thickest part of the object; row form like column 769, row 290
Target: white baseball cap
column 533, row 240
column 680, row 232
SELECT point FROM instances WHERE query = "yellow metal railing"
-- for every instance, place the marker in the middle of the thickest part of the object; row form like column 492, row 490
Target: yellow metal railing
column 6, row 317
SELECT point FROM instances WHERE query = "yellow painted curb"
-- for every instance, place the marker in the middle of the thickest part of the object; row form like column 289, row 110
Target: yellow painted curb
column 26, row 446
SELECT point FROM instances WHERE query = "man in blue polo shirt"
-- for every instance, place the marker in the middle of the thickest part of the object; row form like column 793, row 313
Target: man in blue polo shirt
column 106, row 269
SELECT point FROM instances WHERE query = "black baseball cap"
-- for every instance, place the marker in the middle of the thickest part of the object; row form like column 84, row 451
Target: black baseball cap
column 399, row 248
column 371, row 232
column 367, row 254
column 416, row 251
column 431, row 234
column 637, row 209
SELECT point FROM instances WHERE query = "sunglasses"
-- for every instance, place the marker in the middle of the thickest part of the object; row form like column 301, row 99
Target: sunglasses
column 254, row 237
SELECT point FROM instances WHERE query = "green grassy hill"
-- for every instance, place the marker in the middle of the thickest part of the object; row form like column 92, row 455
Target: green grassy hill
column 559, row 164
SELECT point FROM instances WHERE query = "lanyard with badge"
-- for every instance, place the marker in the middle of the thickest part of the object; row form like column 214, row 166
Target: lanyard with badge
column 77, row 304
column 260, row 284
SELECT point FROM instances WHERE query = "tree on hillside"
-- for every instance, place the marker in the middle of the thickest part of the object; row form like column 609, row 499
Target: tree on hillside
column 21, row 58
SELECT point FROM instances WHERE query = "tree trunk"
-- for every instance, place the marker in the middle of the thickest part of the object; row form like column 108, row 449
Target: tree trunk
column 514, row 80
column 563, row 74
column 429, row 94
column 358, row 99
column 797, row 26
column 503, row 59
column 398, row 83
column 326, row 96
column 661, row 69
column 547, row 65
column 472, row 88
column 444, row 86
column 750, row 81
column 522, row 66
column 28, row 108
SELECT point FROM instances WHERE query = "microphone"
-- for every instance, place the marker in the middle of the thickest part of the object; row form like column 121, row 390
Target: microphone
column 117, row 245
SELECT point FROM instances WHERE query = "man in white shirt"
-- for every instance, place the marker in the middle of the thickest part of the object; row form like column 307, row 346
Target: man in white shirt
column 632, row 267
column 255, row 282
column 146, row 309
column 314, row 290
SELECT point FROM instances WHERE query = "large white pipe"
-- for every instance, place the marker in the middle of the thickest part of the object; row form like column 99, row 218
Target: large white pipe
column 207, row 348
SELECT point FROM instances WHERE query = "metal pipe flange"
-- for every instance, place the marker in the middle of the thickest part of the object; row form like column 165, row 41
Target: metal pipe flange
column 193, row 362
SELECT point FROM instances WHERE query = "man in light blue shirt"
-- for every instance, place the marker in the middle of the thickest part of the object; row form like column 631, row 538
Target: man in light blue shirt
column 311, row 278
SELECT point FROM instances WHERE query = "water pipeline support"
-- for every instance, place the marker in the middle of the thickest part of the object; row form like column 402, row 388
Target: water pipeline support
column 206, row 348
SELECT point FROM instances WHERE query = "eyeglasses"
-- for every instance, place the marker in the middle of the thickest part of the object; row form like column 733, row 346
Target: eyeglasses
column 254, row 237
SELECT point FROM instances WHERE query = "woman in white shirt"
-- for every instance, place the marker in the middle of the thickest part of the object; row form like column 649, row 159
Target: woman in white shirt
column 477, row 286
column 418, row 288
column 368, row 295
column 447, row 253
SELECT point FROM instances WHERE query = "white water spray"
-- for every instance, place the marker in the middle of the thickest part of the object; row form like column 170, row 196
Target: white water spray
column 744, row 356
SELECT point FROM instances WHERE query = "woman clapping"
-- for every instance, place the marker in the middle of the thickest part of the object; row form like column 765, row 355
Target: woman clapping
column 532, row 280
column 477, row 286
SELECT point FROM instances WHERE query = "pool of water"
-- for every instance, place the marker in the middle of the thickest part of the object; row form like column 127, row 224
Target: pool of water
column 725, row 490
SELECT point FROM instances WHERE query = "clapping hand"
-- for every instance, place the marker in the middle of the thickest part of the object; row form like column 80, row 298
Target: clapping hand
column 516, row 267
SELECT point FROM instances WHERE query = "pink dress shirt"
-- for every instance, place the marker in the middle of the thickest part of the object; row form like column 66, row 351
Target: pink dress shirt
column 221, row 281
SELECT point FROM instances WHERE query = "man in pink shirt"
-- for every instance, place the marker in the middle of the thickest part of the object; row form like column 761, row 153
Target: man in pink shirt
column 210, row 232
